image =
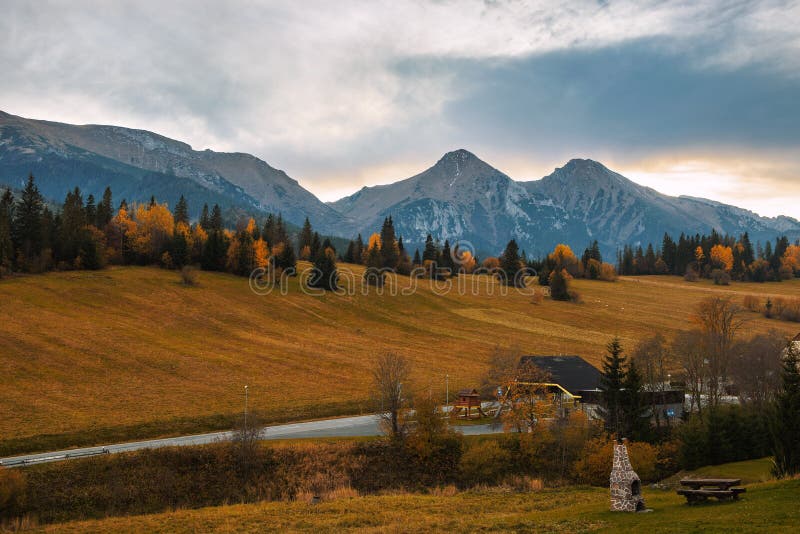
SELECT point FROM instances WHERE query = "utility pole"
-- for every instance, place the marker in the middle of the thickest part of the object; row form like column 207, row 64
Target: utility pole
column 447, row 391
column 245, row 409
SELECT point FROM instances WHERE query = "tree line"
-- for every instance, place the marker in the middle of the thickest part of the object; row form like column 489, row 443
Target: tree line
column 719, row 257
column 86, row 234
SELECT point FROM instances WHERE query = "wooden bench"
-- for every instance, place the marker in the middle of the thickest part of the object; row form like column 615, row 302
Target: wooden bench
column 700, row 489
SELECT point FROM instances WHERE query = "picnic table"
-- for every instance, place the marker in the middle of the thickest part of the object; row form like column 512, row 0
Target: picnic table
column 700, row 489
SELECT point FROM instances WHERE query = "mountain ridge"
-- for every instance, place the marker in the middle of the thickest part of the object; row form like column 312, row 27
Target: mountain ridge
column 460, row 197
column 236, row 179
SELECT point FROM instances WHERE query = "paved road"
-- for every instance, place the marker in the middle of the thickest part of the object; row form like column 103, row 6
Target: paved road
column 364, row 425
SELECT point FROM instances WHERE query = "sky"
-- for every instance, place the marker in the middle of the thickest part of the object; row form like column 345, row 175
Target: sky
column 699, row 98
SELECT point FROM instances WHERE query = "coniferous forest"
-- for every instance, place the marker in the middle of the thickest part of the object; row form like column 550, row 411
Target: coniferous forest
column 89, row 233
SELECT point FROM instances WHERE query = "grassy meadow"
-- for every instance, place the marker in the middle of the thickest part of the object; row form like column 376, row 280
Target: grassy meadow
column 766, row 507
column 91, row 357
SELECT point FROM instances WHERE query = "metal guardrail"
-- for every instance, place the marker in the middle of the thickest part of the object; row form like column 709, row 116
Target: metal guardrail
column 14, row 462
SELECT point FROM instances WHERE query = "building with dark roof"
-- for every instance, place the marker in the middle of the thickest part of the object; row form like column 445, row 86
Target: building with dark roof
column 572, row 374
column 575, row 382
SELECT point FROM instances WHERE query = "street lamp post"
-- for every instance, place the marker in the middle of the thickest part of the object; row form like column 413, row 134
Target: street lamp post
column 245, row 408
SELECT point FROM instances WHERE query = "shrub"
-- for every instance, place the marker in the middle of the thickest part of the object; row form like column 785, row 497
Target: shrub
column 608, row 273
column 594, row 465
column 559, row 285
column 723, row 434
column 691, row 275
column 758, row 270
column 166, row 261
column 189, row 276
column 778, row 304
column 791, row 311
column 484, row 462
column 12, row 493
column 752, row 303
column 720, row 277
column 538, row 296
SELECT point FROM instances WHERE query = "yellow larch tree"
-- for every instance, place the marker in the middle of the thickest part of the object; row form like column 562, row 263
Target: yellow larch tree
column 722, row 257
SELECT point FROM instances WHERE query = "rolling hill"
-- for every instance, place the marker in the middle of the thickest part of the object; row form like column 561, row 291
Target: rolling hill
column 128, row 352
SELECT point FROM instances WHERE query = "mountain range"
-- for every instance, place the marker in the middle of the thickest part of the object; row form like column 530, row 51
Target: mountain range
column 461, row 197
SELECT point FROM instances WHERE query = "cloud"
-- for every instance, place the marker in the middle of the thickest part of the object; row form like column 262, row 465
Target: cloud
column 336, row 93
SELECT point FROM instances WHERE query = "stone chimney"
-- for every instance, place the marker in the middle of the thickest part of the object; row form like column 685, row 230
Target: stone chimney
column 626, row 488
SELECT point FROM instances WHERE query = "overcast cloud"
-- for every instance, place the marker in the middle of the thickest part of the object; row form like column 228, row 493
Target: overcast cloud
column 698, row 98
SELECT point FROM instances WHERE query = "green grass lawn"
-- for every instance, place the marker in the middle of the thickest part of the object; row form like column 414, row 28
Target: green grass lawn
column 766, row 507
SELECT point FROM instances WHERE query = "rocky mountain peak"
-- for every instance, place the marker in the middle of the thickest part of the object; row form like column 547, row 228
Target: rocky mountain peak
column 458, row 168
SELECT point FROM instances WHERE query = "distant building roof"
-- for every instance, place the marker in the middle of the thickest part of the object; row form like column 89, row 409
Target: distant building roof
column 468, row 393
column 572, row 373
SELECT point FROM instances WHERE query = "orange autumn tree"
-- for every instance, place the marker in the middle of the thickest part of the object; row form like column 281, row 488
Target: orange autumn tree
column 466, row 261
column 155, row 228
column 699, row 255
column 562, row 257
column 260, row 253
column 120, row 234
column 722, row 257
column 791, row 260
column 528, row 399
column 374, row 243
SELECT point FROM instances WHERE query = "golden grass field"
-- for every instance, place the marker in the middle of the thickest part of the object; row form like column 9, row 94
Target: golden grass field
column 128, row 352
column 766, row 507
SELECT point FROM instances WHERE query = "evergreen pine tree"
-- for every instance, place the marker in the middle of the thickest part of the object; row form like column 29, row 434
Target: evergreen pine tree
column 785, row 417
column 91, row 210
column 373, row 274
column 390, row 254
column 181, row 255
column 627, row 266
column 216, row 222
column 649, row 259
column 205, row 219
column 350, row 252
column 6, row 219
column 431, row 251
column 510, row 266
column 270, row 230
column 305, row 238
column 748, row 256
column 325, row 264
column 245, row 263
column 73, row 219
column 27, row 230
column 636, row 423
column 417, row 259
column 105, row 210
column 316, row 246
column 447, row 264
column 612, row 379
column 358, row 252
column 282, row 235
column 669, row 251
column 181, row 211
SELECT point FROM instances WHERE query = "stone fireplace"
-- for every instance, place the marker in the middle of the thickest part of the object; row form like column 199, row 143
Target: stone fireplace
column 626, row 488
